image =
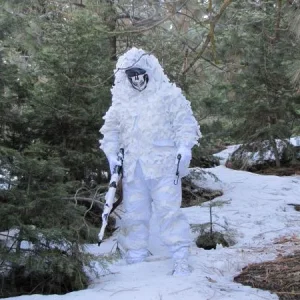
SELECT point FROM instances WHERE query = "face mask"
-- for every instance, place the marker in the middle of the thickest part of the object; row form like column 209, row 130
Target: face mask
column 138, row 78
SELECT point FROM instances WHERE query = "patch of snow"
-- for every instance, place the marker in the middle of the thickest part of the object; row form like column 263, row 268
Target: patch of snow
column 224, row 154
column 254, row 209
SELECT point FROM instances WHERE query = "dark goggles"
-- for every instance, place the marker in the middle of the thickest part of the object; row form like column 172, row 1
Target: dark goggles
column 138, row 78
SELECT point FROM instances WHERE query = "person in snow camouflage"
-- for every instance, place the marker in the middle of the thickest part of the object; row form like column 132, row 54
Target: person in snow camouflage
column 153, row 122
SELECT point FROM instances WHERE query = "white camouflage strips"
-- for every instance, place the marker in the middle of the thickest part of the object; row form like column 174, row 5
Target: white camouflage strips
column 132, row 113
column 152, row 125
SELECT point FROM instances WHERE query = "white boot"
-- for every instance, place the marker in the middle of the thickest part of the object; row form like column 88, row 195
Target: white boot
column 136, row 256
column 181, row 268
column 180, row 259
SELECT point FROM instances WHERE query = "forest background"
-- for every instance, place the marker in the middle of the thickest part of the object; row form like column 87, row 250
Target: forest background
column 238, row 62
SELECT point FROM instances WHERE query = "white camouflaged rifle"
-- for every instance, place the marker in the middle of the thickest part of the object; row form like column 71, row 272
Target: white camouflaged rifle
column 110, row 203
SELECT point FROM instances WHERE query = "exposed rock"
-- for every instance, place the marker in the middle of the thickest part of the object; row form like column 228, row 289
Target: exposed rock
column 257, row 157
column 193, row 194
column 210, row 241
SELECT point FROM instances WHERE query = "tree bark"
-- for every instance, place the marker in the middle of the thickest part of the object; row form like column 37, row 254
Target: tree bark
column 278, row 19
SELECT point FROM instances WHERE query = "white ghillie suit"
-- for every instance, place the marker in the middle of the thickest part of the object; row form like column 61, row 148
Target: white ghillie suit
column 153, row 126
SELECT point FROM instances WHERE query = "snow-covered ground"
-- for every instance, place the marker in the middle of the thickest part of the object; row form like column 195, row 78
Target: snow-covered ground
column 253, row 211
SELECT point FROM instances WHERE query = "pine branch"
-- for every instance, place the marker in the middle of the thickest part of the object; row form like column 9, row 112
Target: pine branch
column 85, row 199
column 153, row 24
column 208, row 37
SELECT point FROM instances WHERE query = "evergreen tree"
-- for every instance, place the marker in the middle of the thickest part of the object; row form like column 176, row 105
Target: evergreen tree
column 265, row 105
column 71, row 94
column 40, row 237
column 251, row 95
column 54, row 90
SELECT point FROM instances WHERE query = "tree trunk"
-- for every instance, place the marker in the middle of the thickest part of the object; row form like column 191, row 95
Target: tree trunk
column 111, row 23
column 275, row 151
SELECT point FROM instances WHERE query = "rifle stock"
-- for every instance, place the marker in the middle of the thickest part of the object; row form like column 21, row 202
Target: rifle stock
column 110, row 205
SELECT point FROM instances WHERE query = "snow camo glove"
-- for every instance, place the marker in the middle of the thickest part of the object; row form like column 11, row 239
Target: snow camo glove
column 186, row 156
